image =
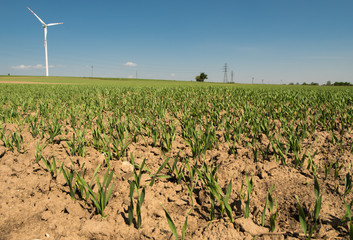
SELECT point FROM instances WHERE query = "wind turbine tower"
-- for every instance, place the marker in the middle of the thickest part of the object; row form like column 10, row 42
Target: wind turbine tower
column 45, row 39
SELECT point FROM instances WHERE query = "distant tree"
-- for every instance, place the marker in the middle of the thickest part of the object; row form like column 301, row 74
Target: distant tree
column 201, row 77
column 304, row 83
column 291, row 83
column 314, row 84
column 328, row 83
column 342, row 84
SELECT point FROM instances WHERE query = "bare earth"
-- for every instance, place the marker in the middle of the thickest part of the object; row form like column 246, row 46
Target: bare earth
column 23, row 82
column 35, row 206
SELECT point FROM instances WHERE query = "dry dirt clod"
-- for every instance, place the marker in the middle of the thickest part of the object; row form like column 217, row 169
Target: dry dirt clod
column 127, row 167
column 247, row 225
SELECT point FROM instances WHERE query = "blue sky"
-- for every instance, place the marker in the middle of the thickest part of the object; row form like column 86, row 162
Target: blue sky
column 272, row 41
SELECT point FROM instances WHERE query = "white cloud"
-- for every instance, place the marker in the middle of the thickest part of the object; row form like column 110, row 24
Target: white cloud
column 25, row 67
column 172, row 74
column 130, row 64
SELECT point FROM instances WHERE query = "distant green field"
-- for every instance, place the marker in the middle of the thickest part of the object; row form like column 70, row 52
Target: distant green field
column 124, row 82
column 131, row 82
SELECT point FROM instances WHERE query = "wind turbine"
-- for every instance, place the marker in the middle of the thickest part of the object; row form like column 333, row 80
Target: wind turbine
column 45, row 39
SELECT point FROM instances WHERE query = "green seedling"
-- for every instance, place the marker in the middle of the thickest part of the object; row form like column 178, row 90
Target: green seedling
column 208, row 175
column 135, row 186
column 81, row 184
column 77, row 145
column 8, row 143
column 155, row 133
column 54, row 130
column 69, row 177
column 101, row 199
column 328, row 168
column 17, row 140
column 249, row 184
column 120, row 146
column 311, row 163
column 33, row 126
column 299, row 161
column 338, row 167
column 309, row 221
column 173, row 227
column 347, row 218
column 157, row 175
column 39, row 152
column 190, row 182
column 270, row 201
column 178, row 173
column 51, row 166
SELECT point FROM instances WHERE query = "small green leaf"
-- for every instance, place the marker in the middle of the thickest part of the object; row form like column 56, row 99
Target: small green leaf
column 171, row 224
column 184, row 228
column 316, row 187
column 317, row 208
column 302, row 220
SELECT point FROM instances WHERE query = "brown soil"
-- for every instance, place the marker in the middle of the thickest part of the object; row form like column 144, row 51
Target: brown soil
column 35, row 206
column 23, row 82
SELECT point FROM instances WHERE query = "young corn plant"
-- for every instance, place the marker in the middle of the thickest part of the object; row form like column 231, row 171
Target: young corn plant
column 120, row 145
column 177, row 172
column 328, row 167
column 157, row 175
column 81, row 183
column 173, row 227
column 249, row 184
column 54, row 129
column 311, row 163
column 167, row 137
column 17, row 140
column 189, row 176
column 135, row 186
column 270, row 201
column 309, row 221
column 280, row 151
column 299, row 161
column 39, row 152
column 101, row 199
column 69, row 178
column 338, row 167
column 208, row 176
column 8, row 143
column 77, row 145
column 347, row 218
column 51, row 166
column 155, row 133
column 34, row 126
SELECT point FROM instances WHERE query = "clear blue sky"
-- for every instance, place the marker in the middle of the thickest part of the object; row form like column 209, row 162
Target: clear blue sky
column 269, row 40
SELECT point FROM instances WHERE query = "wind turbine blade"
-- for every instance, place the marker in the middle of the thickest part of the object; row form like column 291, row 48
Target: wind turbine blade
column 37, row 16
column 53, row 24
